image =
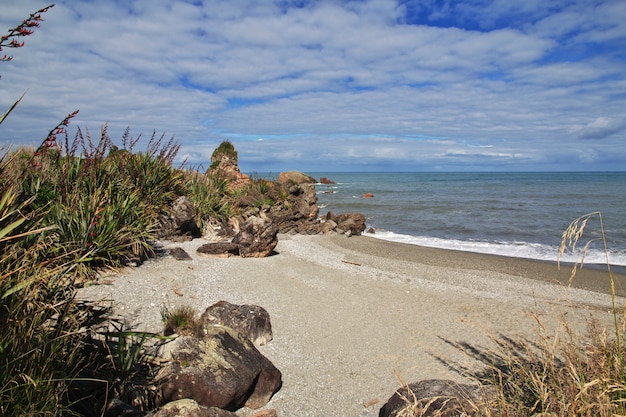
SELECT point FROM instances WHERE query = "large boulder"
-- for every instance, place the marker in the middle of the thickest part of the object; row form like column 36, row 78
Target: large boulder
column 351, row 224
column 222, row 369
column 440, row 398
column 296, row 177
column 250, row 321
column 257, row 237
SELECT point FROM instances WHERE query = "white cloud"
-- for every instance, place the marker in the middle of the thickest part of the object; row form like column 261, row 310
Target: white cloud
column 600, row 128
column 343, row 75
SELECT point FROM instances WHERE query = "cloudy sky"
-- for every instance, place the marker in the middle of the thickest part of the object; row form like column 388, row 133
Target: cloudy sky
column 337, row 85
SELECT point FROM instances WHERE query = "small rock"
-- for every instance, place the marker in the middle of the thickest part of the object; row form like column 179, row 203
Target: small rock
column 190, row 408
column 219, row 249
column 179, row 254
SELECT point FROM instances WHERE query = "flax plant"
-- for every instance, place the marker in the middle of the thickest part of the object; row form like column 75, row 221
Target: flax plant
column 211, row 195
column 10, row 40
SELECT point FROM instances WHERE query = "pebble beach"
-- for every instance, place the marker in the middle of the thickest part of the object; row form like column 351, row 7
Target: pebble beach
column 354, row 318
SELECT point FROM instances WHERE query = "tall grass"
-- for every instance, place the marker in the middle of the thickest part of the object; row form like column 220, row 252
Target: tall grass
column 67, row 210
column 565, row 373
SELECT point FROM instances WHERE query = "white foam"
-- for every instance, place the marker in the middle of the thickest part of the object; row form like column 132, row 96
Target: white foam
column 513, row 249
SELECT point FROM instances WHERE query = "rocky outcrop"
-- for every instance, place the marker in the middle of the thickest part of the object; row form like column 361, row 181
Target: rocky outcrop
column 440, row 398
column 221, row 369
column 350, row 224
column 325, row 180
column 250, row 321
column 368, row 195
column 225, row 163
column 289, row 205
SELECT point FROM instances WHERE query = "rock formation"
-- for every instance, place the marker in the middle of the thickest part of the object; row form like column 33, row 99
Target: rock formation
column 224, row 162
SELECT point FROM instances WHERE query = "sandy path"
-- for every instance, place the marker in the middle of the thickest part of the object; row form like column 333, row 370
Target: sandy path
column 347, row 314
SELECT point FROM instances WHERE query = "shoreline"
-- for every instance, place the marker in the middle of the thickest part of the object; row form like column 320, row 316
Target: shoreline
column 592, row 277
column 352, row 317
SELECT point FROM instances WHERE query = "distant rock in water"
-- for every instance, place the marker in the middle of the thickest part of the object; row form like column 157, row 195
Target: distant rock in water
column 296, row 177
column 325, row 180
column 368, row 195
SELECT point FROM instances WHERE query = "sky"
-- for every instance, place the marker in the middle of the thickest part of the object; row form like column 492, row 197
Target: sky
column 326, row 86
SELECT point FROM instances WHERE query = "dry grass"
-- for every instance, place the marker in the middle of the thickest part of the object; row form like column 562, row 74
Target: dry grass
column 182, row 320
column 560, row 372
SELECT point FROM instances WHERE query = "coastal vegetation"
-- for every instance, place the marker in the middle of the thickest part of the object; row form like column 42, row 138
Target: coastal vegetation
column 71, row 208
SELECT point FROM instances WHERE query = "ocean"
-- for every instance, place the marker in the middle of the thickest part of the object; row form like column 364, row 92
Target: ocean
column 510, row 214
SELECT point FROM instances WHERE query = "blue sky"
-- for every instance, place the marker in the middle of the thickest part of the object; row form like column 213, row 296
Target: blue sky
column 319, row 86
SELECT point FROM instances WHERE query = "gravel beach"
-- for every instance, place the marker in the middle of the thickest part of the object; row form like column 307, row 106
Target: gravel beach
column 352, row 317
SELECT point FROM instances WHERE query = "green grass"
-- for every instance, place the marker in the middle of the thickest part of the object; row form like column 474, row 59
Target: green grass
column 65, row 213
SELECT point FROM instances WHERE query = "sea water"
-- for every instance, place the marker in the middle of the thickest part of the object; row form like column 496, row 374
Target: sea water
column 510, row 214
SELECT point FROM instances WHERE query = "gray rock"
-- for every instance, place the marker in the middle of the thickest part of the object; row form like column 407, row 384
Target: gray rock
column 440, row 398
column 250, row 321
column 179, row 254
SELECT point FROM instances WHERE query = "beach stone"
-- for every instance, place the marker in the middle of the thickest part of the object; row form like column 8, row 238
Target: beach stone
column 219, row 249
column 190, row 408
column 441, row 398
column 271, row 412
column 222, row 369
column 179, row 254
column 257, row 238
column 327, row 226
column 250, row 321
